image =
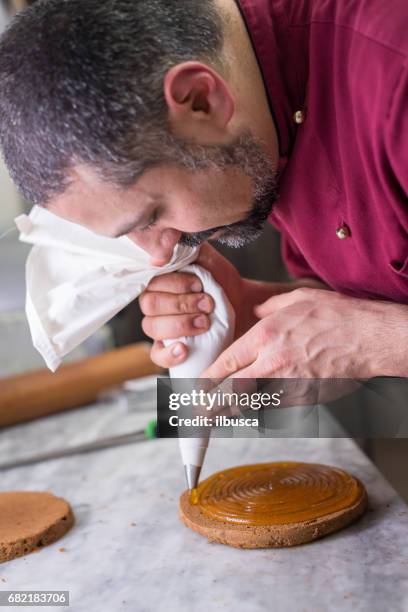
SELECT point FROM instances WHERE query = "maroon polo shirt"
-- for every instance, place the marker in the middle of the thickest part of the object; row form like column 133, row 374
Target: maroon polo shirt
column 343, row 179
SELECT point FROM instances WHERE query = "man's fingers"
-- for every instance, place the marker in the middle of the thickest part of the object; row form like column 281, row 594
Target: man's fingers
column 176, row 282
column 168, row 356
column 238, row 356
column 160, row 328
column 154, row 303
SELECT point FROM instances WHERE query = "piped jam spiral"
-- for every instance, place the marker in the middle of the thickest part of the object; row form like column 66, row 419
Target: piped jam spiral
column 276, row 493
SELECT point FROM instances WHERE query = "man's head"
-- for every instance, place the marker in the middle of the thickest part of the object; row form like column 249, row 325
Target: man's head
column 116, row 111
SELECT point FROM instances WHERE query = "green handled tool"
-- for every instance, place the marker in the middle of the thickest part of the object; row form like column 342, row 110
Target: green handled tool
column 148, row 433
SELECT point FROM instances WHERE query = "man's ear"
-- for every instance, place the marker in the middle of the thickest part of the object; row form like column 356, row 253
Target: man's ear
column 200, row 103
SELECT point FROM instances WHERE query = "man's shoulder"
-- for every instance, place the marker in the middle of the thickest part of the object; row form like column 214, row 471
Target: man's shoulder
column 382, row 21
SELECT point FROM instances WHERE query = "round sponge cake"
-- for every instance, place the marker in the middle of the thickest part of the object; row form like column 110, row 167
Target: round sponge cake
column 30, row 520
column 273, row 504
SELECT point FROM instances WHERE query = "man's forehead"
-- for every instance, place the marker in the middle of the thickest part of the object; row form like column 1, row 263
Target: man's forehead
column 87, row 179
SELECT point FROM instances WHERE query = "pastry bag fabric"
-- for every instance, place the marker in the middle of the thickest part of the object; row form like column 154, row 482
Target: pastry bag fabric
column 77, row 280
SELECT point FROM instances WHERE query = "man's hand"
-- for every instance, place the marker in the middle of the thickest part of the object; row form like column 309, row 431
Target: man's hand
column 174, row 304
column 319, row 334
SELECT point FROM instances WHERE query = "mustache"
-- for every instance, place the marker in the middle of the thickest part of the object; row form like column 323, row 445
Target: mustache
column 197, row 238
column 244, row 231
column 244, row 228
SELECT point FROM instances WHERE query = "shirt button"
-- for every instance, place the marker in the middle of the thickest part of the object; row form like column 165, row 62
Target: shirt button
column 343, row 232
column 299, row 117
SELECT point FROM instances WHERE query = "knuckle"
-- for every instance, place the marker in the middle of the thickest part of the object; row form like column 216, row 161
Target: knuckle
column 303, row 292
column 230, row 363
column 183, row 304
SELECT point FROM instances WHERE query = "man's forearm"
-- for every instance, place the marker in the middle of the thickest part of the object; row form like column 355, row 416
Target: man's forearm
column 380, row 332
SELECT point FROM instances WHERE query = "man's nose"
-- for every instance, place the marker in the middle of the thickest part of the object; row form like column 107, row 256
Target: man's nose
column 158, row 243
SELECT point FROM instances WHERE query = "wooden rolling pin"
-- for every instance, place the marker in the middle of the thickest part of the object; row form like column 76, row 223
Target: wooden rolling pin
column 40, row 392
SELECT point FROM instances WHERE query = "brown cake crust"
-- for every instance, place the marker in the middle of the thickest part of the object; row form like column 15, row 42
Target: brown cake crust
column 30, row 520
column 272, row 535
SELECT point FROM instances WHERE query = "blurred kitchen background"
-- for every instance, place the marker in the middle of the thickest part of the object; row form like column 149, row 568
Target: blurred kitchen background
column 260, row 260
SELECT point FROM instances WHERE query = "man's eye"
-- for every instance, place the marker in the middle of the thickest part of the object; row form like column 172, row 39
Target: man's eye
column 151, row 223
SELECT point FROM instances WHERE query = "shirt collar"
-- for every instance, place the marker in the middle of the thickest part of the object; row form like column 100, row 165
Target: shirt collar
column 282, row 55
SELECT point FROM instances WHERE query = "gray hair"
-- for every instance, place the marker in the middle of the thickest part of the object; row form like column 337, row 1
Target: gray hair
column 82, row 82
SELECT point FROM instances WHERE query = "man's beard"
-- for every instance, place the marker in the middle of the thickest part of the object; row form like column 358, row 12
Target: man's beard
column 247, row 155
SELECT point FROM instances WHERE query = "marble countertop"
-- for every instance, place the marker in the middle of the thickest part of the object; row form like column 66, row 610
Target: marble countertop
column 129, row 551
